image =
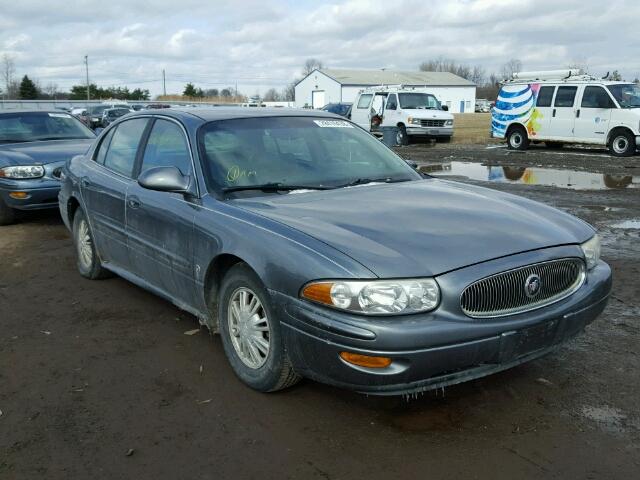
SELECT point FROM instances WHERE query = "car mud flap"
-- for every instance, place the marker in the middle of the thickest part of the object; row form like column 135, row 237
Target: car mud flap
column 517, row 343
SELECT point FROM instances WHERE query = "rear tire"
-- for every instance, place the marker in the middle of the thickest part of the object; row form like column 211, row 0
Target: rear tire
column 7, row 214
column 517, row 139
column 251, row 333
column 87, row 259
column 622, row 144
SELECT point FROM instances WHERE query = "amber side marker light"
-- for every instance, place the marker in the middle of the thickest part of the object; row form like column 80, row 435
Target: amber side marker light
column 19, row 195
column 318, row 292
column 365, row 360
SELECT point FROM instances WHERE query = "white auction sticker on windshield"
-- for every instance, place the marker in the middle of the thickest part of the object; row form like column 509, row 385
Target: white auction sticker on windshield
column 59, row 115
column 333, row 124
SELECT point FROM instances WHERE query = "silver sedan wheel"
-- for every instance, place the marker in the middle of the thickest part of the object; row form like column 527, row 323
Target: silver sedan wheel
column 248, row 327
column 620, row 144
column 85, row 245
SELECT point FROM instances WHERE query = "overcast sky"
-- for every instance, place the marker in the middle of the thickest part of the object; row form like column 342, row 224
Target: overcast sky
column 259, row 44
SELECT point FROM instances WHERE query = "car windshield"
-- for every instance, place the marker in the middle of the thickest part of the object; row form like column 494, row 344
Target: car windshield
column 627, row 94
column 98, row 110
column 35, row 126
column 303, row 152
column 412, row 101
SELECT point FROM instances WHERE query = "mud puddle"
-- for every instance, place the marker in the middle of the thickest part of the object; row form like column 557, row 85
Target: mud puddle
column 559, row 178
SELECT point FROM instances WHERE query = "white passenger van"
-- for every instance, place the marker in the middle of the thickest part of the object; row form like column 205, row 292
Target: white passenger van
column 562, row 106
column 415, row 112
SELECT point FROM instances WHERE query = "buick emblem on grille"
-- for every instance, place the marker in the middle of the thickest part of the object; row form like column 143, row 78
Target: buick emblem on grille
column 532, row 285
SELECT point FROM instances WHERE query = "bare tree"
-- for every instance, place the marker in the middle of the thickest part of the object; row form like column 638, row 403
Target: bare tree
column 288, row 93
column 8, row 69
column 310, row 65
column 512, row 66
column 477, row 75
column 271, row 95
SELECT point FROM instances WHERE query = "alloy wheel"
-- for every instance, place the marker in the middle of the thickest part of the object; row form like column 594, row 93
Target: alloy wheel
column 248, row 327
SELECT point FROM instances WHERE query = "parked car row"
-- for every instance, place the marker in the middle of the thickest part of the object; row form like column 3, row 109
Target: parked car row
column 312, row 248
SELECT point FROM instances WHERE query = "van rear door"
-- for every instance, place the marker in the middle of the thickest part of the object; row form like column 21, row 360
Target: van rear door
column 563, row 114
column 360, row 112
column 593, row 115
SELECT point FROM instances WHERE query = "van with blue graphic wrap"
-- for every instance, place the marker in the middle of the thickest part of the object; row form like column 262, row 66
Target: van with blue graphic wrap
column 561, row 106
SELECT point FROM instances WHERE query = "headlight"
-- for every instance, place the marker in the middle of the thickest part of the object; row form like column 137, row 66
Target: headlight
column 377, row 297
column 413, row 121
column 22, row 171
column 449, row 123
column 591, row 250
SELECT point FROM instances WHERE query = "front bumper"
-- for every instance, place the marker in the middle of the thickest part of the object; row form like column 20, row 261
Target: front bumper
column 417, row 131
column 431, row 350
column 41, row 194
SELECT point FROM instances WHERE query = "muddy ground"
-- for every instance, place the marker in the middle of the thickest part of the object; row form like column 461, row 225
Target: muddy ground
column 98, row 379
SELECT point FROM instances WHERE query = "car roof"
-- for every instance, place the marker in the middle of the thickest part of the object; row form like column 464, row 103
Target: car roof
column 228, row 113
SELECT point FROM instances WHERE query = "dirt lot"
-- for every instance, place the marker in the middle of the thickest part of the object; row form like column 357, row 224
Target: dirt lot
column 93, row 371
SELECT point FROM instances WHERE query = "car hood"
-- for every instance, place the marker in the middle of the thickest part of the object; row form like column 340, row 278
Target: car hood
column 421, row 228
column 42, row 153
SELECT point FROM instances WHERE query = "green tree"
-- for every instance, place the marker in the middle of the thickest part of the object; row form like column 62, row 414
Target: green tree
column 189, row 90
column 615, row 76
column 28, row 89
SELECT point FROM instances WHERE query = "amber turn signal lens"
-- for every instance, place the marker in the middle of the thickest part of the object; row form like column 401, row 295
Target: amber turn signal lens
column 365, row 360
column 19, row 195
column 318, row 292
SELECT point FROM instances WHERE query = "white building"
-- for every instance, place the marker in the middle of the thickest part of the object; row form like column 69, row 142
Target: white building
column 337, row 85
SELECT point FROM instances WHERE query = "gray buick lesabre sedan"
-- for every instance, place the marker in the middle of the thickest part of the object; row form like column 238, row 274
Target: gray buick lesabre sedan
column 316, row 252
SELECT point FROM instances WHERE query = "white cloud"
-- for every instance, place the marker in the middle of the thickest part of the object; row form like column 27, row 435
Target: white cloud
column 262, row 44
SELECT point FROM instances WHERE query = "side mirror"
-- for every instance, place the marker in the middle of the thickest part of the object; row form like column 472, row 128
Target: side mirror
column 444, row 108
column 165, row 179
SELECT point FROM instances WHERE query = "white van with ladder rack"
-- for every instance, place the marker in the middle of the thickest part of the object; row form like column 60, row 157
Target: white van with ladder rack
column 413, row 111
column 562, row 106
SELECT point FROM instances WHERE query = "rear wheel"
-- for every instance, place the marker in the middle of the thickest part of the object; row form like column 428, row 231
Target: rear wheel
column 87, row 259
column 622, row 144
column 7, row 214
column 517, row 139
column 251, row 333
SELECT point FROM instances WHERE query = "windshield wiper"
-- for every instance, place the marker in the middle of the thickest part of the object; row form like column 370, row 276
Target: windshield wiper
column 13, row 140
column 273, row 187
column 44, row 139
column 364, row 181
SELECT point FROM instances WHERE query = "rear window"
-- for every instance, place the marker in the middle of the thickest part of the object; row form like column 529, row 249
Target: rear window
column 565, row 96
column 545, row 96
column 364, row 101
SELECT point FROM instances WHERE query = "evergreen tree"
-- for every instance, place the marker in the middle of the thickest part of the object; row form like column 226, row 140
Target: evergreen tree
column 189, row 90
column 28, row 89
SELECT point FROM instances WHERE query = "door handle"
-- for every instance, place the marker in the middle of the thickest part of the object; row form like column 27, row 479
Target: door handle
column 133, row 202
column 578, row 113
column 554, row 112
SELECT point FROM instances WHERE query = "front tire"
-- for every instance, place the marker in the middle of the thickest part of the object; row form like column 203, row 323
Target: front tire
column 251, row 334
column 517, row 139
column 401, row 137
column 87, row 259
column 622, row 144
column 7, row 214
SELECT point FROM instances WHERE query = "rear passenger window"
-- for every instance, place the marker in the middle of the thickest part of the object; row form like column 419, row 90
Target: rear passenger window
column 545, row 95
column 565, row 96
column 124, row 145
column 167, row 147
column 596, row 97
column 364, row 100
column 104, row 146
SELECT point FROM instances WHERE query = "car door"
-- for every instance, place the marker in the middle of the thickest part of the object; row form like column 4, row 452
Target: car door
column 360, row 113
column 563, row 114
column 540, row 122
column 160, row 224
column 594, row 115
column 390, row 117
column 104, row 189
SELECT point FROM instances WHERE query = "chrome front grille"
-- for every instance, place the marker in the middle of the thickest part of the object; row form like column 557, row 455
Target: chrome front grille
column 505, row 293
column 432, row 123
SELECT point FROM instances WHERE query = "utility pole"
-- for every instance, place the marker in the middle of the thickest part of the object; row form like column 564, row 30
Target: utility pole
column 164, row 83
column 86, row 64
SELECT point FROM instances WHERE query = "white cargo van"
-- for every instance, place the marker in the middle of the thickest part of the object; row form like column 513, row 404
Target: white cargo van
column 415, row 112
column 561, row 106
